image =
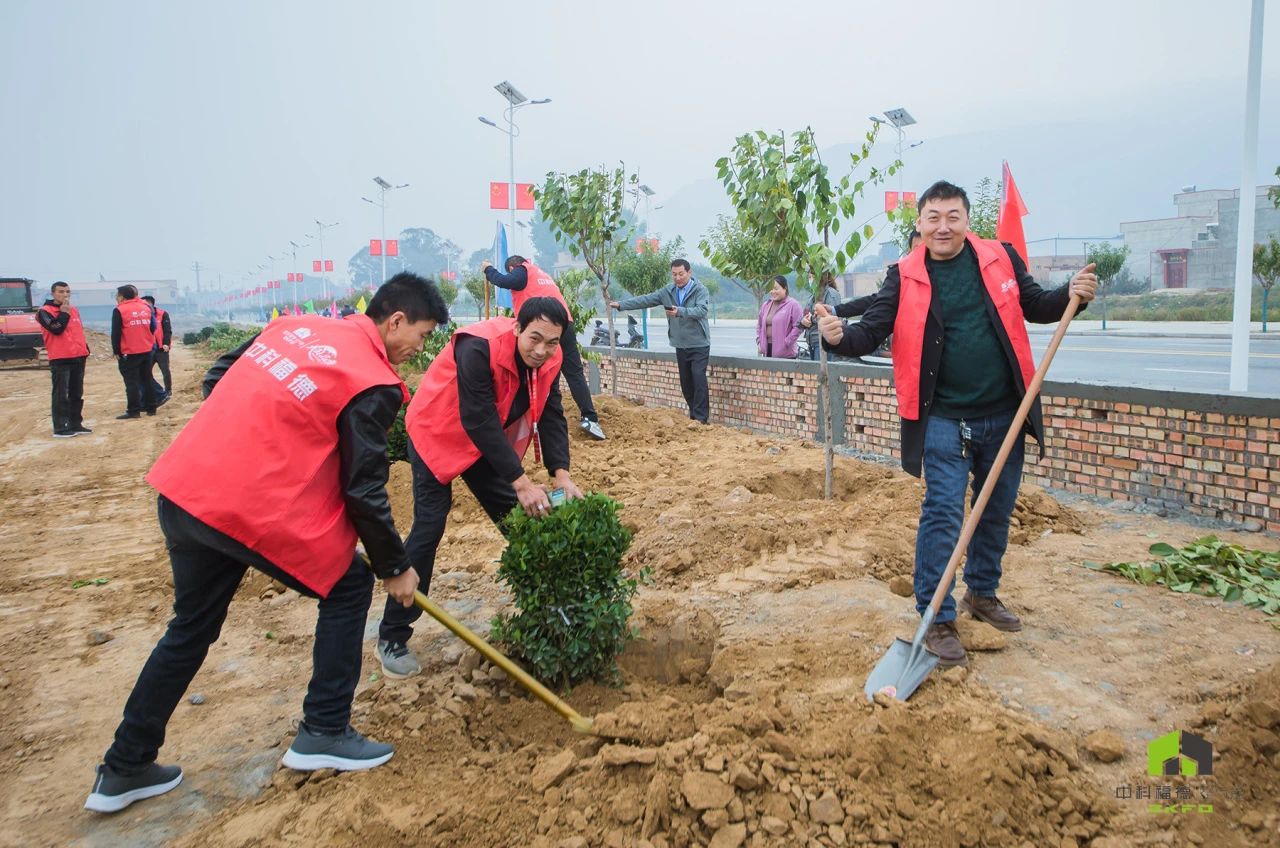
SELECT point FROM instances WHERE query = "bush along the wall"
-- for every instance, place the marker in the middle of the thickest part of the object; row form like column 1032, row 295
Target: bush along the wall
column 572, row 596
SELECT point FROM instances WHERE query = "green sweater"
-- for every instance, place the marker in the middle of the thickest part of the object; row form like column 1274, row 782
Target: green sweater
column 974, row 377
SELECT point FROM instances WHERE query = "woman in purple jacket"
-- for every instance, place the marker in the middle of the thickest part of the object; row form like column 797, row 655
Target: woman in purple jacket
column 778, row 325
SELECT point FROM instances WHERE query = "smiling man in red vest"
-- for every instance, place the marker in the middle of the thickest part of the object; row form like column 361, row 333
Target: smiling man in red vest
column 68, row 350
column 526, row 280
column 133, row 335
column 492, row 392
column 282, row 469
column 957, row 307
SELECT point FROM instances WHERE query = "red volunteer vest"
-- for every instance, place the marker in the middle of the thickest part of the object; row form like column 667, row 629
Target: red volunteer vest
column 136, row 335
column 71, row 343
column 434, row 421
column 159, row 327
column 914, row 297
column 259, row 461
column 540, row 285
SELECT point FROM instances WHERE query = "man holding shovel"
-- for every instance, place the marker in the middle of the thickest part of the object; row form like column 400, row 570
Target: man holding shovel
column 957, row 307
column 492, row 392
column 282, row 469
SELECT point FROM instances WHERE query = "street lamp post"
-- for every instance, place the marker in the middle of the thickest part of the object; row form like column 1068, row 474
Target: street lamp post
column 516, row 101
column 898, row 119
column 324, row 279
column 384, row 187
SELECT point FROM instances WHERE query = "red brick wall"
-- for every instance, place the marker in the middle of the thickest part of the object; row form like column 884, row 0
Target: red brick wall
column 1212, row 455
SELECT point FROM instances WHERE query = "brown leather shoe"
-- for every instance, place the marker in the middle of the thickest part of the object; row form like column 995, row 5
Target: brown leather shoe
column 991, row 611
column 943, row 639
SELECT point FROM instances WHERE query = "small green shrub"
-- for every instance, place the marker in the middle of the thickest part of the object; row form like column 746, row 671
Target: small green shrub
column 189, row 339
column 572, row 595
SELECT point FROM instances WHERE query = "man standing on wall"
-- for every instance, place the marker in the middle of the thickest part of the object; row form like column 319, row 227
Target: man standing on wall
column 68, row 350
column 685, row 301
column 961, row 365
column 133, row 335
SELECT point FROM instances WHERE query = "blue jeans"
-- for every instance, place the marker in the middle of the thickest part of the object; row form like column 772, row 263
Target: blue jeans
column 946, row 475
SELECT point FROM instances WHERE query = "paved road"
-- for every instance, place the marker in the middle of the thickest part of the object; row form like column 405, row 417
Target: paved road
column 1178, row 363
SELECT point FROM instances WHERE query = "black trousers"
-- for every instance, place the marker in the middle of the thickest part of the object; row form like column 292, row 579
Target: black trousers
column 68, row 393
column 207, row 568
column 139, row 388
column 160, row 357
column 431, row 503
column 692, row 362
column 575, row 374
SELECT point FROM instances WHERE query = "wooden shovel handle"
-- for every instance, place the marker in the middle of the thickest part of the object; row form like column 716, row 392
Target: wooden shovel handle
column 1011, row 438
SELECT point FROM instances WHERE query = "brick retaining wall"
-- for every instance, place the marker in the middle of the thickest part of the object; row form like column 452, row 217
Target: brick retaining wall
column 1213, row 455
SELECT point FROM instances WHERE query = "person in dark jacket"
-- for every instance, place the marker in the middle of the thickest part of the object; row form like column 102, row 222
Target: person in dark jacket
column 133, row 329
column 492, row 392
column 160, row 355
column 962, row 362
column 309, row 483
column 68, row 350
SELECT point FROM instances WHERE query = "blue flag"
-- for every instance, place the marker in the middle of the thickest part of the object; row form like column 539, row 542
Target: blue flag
column 500, row 262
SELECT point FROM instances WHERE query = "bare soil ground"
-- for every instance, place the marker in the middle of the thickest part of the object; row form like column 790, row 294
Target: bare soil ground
column 742, row 719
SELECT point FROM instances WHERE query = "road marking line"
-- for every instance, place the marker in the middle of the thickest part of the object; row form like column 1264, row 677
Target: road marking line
column 1168, row 352
column 1188, row 371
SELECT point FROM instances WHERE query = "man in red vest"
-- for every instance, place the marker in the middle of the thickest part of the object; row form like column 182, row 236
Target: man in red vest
column 65, row 344
column 160, row 353
column 133, row 335
column 282, row 469
column 526, row 280
column 957, row 307
column 492, row 392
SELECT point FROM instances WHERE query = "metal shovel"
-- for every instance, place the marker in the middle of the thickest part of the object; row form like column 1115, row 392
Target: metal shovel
column 906, row 664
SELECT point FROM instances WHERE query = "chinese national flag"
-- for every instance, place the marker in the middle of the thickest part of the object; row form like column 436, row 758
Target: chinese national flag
column 909, row 199
column 315, row 266
column 393, row 247
column 890, row 201
column 375, row 247
column 1009, row 222
column 498, row 196
column 328, row 264
column 524, row 195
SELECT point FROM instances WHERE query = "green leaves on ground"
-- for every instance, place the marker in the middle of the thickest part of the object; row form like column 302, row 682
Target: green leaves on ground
column 572, row 595
column 97, row 581
column 1210, row 566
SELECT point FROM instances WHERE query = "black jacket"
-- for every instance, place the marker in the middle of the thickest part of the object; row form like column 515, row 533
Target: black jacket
column 857, row 306
column 55, row 324
column 1038, row 306
column 117, row 330
column 364, row 467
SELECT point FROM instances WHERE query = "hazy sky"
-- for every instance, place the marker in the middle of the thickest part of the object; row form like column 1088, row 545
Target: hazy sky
column 139, row 137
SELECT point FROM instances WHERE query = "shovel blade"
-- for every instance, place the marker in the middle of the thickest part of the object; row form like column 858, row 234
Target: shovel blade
column 899, row 669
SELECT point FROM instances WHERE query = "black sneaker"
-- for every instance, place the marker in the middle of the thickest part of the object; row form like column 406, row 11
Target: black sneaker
column 81, row 430
column 64, row 434
column 113, row 792
column 163, row 400
column 345, row 751
column 128, row 415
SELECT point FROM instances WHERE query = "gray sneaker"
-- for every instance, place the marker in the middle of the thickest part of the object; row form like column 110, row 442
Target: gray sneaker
column 113, row 792
column 398, row 662
column 345, row 751
column 592, row 429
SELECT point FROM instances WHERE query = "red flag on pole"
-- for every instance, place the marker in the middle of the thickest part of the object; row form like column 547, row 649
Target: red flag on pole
column 498, row 198
column 890, row 201
column 524, row 195
column 375, row 247
column 1009, row 222
column 393, row 247
column 328, row 264
column 315, row 266
column 909, row 199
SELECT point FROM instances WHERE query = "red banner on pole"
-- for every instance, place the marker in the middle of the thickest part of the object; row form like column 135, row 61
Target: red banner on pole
column 890, row 201
column 498, row 196
column 909, row 199
column 315, row 266
column 524, row 195
column 450, row 275
column 393, row 247
column 328, row 264
column 375, row 247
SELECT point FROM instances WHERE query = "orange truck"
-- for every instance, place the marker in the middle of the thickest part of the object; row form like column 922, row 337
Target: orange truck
column 19, row 331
